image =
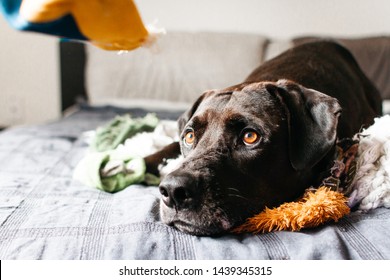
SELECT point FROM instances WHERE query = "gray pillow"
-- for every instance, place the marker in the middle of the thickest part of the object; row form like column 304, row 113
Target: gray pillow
column 179, row 70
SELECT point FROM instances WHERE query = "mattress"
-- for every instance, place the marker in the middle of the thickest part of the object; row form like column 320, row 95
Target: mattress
column 45, row 214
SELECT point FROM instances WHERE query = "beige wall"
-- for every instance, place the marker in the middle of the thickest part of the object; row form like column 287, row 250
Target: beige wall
column 29, row 78
column 29, row 81
column 275, row 18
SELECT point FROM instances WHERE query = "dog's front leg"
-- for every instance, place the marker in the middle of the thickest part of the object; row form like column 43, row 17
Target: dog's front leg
column 171, row 151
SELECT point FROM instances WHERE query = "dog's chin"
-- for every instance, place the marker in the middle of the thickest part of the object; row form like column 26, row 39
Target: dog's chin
column 194, row 224
column 196, row 229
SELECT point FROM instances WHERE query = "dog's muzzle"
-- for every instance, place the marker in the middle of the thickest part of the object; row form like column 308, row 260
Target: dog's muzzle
column 188, row 206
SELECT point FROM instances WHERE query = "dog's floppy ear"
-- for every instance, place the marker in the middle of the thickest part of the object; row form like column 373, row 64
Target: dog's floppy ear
column 186, row 116
column 312, row 122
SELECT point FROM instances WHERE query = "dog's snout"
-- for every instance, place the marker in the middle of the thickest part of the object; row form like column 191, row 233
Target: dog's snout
column 178, row 191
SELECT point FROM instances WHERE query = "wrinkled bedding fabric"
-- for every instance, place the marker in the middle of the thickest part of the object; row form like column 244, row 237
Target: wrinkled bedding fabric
column 44, row 214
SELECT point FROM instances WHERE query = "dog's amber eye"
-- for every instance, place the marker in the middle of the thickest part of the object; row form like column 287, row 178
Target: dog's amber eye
column 250, row 137
column 189, row 138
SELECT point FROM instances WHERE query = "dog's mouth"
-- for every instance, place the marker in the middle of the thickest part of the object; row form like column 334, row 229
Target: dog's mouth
column 196, row 224
column 202, row 205
column 191, row 228
column 196, row 229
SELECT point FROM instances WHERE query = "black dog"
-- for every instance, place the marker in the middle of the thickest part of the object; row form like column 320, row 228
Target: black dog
column 263, row 142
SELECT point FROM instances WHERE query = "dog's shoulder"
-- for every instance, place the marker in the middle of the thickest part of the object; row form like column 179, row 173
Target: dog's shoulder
column 300, row 61
column 325, row 48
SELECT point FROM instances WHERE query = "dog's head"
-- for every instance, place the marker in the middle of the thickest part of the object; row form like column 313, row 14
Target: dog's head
column 244, row 148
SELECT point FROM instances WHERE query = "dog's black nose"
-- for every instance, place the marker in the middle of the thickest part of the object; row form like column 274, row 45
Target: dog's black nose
column 178, row 191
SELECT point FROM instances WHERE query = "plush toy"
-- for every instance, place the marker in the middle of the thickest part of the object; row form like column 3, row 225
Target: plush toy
column 110, row 169
column 315, row 208
column 108, row 24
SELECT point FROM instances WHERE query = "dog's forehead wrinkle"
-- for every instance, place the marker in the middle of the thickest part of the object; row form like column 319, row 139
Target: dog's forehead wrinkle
column 241, row 101
column 217, row 101
column 252, row 101
column 263, row 115
column 212, row 122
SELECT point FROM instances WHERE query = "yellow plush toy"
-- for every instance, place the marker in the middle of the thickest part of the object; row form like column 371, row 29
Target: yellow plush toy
column 108, row 24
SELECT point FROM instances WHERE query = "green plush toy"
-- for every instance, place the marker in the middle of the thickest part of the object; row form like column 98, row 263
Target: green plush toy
column 110, row 170
column 109, row 136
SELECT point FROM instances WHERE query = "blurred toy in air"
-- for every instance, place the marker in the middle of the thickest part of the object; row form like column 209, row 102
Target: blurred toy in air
column 108, row 24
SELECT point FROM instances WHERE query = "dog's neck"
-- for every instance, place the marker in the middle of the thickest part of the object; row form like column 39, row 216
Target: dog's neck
column 341, row 167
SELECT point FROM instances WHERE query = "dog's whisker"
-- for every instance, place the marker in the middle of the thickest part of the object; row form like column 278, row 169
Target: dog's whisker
column 223, row 212
column 238, row 196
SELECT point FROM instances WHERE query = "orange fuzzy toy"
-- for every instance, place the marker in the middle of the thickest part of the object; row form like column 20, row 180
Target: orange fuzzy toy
column 315, row 208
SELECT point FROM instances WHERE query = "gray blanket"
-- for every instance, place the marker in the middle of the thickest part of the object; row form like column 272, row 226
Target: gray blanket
column 44, row 214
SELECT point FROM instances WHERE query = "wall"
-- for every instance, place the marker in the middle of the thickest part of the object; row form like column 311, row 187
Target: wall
column 29, row 78
column 275, row 18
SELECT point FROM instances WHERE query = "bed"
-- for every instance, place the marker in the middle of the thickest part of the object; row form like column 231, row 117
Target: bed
column 46, row 214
